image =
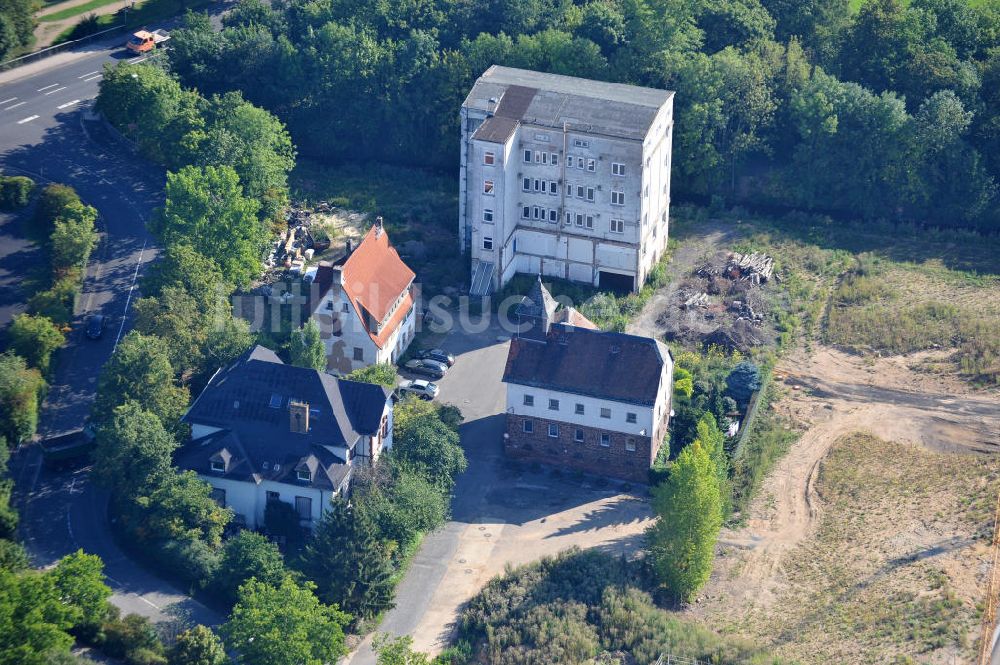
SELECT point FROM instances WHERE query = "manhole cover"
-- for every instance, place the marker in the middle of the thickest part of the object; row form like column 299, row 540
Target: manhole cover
column 488, row 535
column 468, row 571
column 461, row 560
column 482, row 528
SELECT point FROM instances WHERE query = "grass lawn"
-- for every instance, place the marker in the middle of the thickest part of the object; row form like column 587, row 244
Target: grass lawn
column 69, row 12
column 894, row 572
column 143, row 13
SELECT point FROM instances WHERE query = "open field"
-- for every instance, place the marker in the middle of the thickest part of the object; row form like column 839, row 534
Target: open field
column 858, row 549
column 901, row 308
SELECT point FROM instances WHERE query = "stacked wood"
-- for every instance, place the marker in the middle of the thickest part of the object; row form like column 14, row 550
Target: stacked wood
column 755, row 268
column 697, row 300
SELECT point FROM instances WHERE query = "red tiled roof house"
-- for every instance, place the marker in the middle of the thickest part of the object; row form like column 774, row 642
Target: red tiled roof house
column 365, row 305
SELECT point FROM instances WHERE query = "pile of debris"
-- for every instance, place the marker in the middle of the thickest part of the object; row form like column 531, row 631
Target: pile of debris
column 755, row 268
column 696, row 300
column 741, row 336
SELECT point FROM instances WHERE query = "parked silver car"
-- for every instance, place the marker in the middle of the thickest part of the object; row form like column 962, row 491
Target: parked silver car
column 419, row 387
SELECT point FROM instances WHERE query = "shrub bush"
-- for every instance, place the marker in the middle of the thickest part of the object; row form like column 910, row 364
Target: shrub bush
column 15, row 192
column 51, row 203
column 35, row 338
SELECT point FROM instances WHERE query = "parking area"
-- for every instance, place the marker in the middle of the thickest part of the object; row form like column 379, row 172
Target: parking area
column 503, row 512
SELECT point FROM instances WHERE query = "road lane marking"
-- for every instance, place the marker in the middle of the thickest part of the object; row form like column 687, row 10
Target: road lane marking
column 75, row 101
column 48, row 86
column 93, row 77
column 83, row 76
column 52, row 92
column 8, row 100
column 129, row 299
column 135, row 61
column 28, row 119
column 15, row 105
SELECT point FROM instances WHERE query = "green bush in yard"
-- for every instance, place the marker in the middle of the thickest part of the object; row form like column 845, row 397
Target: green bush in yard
column 15, row 192
column 56, row 302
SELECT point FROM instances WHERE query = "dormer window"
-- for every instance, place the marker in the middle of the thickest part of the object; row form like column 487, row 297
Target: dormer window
column 218, row 466
column 304, row 475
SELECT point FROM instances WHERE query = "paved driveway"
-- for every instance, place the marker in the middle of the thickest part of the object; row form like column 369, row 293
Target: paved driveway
column 503, row 513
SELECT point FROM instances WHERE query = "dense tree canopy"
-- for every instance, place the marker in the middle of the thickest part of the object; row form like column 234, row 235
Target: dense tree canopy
column 688, row 507
column 771, row 93
column 284, row 624
column 206, row 207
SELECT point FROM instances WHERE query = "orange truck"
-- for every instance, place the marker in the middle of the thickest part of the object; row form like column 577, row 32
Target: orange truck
column 145, row 41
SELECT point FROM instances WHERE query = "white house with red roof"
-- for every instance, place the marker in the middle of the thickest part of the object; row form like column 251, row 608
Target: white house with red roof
column 364, row 304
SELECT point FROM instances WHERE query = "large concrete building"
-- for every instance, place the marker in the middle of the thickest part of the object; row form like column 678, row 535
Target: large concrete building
column 563, row 177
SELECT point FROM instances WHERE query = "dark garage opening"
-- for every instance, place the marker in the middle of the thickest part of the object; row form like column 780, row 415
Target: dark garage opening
column 610, row 281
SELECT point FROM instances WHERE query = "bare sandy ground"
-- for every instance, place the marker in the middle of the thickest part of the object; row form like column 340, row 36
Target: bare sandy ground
column 832, row 394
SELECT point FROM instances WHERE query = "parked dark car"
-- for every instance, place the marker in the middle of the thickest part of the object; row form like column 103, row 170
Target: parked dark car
column 95, row 326
column 431, row 368
column 439, row 355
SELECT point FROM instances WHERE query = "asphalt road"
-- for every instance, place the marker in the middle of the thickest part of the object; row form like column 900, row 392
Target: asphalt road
column 45, row 133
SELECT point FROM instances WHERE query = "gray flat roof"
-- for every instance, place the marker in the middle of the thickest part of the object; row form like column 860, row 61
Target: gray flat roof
column 615, row 109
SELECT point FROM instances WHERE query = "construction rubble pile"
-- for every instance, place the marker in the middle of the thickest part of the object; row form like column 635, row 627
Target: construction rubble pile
column 723, row 304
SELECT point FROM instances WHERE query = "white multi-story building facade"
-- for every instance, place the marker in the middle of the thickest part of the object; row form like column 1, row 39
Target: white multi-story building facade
column 563, row 177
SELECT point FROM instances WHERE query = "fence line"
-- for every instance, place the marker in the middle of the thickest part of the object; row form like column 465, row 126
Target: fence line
column 751, row 415
column 57, row 48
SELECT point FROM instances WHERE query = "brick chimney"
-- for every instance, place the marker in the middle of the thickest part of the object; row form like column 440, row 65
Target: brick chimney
column 298, row 417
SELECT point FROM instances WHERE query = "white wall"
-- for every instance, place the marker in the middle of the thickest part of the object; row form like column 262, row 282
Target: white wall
column 250, row 499
column 592, row 410
column 340, row 350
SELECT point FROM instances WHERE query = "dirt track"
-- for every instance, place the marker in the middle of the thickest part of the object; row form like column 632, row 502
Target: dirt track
column 833, row 394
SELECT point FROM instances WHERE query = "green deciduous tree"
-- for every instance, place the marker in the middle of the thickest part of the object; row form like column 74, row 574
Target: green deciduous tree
column 133, row 452
column 79, row 579
column 35, row 338
column 73, row 236
column 348, row 563
column 284, row 624
column 140, row 371
column 397, row 651
column 180, row 507
column 384, row 374
column 688, row 507
column 248, row 555
column 51, row 202
column 307, row 348
column 198, row 646
column 20, row 390
column 34, row 620
column 17, row 25
column 403, row 505
column 427, row 445
column 207, row 208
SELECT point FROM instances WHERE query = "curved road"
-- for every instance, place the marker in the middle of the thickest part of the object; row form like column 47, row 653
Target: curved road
column 47, row 132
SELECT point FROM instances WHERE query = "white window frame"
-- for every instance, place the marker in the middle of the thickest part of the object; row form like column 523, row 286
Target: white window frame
column 218, row 467
column 527, row 156
column 488, row 215
column 488, row 243
column 605, row 439
column 591, row 165
column 525, row 184
column 569, row 161
column 529, row 400
column 605, row 412
column 617, row 226
column 617, row 198
column 489, row 187
column 525, row 212
column 591, row 194
column 630, row 445
column 528, row 426
column 553, row 216
column 589, row 222
column 489, row 158
column 618, row 169
column 578, row 435
column 553, row 187
column 580, row 409
column 553, row 431
column 553, row 404
column 554, row 158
